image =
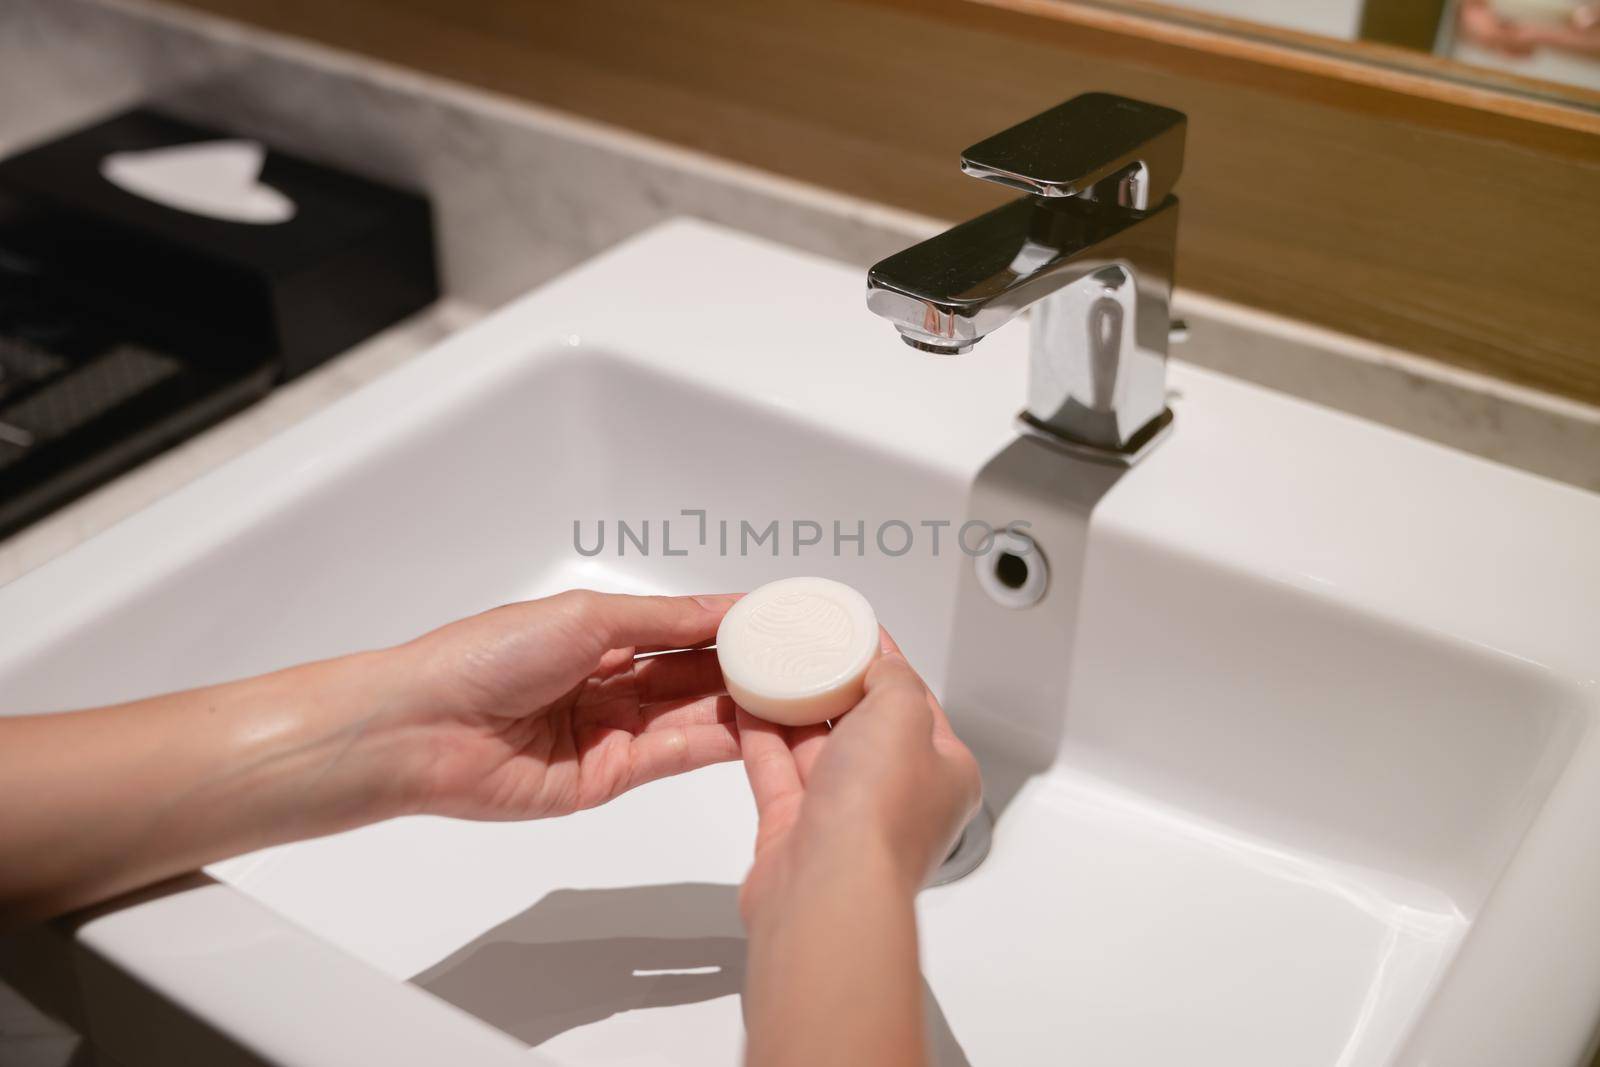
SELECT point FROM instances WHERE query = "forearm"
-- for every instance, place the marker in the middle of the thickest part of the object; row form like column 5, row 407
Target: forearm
column 833, row 970
column 102, row 801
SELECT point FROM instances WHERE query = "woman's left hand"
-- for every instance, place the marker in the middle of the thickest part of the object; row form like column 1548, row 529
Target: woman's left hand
column 540, row 708
column 525, row 711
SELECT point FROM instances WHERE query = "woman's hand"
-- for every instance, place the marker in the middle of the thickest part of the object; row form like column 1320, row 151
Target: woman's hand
column 890, row 776
column 529, row 710
column 540, row 708
column 853, row 819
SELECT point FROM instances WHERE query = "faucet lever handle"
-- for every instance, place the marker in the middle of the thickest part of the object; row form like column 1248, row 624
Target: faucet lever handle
column 1096, row 147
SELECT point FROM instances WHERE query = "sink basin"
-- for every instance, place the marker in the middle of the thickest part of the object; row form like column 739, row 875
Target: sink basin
column 1292, row 763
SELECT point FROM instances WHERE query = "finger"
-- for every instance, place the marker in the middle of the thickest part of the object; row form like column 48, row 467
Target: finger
column 941, row 722
column 662, row 753
column 608, row 696
column 890, row 674
column 942, row 730
column 888, row 646
column 615, row 620
column 615, row 667
column 718, row 602
column 897, row 698
column 677, row 676
column 692, row 712
column 806, row 742
column 768, row 761
column 957, row 755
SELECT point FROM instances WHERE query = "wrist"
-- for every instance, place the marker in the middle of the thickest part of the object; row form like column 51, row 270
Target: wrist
column 337, row 737
column 859, row 863
column 376, row 705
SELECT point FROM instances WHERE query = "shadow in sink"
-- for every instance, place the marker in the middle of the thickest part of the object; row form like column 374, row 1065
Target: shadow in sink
column 579, row 956
column 582, row 955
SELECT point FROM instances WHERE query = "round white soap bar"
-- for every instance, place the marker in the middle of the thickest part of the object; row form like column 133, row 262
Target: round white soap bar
column 796, row 651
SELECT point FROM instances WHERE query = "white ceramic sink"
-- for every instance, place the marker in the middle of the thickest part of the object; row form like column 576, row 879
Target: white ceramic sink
column 1294, row 763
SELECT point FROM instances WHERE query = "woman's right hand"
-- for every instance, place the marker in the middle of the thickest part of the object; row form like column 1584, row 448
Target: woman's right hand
column 888, row 787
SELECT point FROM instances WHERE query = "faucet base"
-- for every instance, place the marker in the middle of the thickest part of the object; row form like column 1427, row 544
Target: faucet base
column 1137, row 449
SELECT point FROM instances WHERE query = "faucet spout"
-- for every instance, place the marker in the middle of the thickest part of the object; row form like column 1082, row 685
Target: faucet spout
column 1095, row 270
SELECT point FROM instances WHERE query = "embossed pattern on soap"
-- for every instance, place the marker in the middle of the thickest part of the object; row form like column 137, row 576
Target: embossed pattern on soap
column 825, row 652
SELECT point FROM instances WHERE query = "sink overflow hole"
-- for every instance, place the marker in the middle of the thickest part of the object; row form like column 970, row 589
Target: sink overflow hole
column 1013, row 572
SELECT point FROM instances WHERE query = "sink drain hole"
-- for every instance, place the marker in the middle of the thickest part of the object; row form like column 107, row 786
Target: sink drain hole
column 970, row 850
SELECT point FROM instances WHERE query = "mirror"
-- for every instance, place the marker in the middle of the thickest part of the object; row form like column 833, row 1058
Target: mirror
column 1544, row 48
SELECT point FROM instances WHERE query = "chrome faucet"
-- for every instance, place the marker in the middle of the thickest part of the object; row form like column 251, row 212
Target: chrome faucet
column 1090, row 250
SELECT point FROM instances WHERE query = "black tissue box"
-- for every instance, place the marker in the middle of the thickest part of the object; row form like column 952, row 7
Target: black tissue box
column 156, row 276
column 355, row 257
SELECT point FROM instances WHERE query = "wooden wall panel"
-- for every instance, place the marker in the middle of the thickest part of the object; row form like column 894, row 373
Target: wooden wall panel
column 1452, row 222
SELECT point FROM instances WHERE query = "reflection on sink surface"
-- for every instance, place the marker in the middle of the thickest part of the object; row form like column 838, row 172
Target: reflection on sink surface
column 1285, row 764
column 579, row 956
